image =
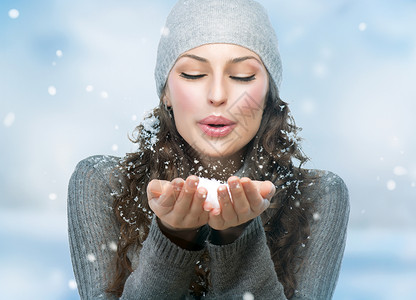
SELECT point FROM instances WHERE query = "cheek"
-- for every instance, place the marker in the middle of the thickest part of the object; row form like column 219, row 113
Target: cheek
column 183, row 97
column 250, row 101
column 258, row 94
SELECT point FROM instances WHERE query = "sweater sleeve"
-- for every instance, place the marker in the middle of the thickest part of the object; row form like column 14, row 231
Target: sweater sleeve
column 92, row 227
column 164, row 270
column 244, row 266
column 318, row 275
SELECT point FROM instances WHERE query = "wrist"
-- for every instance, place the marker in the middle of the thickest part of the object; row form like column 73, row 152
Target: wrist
column 229, row 235
column 189, row 239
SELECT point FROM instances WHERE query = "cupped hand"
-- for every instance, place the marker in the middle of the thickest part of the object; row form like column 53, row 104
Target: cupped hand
column 249, row 198
column 178, row 204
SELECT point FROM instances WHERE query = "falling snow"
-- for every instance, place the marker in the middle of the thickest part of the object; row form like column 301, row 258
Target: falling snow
column 113, row 246
column 9, row 119
column 164, row 31
column 53, row 196
column 14, row 13
column 316, row 216
column 59, row 53
column 89, row 88
column 52, row 90
column 151, row 127
column 72, row 284
column 391, row 185
column 362, row 26
column 91, row 257
column 399, row 171
column 104, row 95
column 248, row 296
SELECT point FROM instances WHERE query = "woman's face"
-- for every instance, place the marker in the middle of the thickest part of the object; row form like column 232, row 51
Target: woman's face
column 217, row 93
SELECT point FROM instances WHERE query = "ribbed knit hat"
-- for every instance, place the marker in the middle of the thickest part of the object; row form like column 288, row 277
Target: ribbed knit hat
column 193, row 23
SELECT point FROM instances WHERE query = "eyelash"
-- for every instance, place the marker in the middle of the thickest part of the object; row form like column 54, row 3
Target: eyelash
column 194, row 77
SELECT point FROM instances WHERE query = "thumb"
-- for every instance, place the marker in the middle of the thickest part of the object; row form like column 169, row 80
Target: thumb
column 155, row 188
column 267, row 189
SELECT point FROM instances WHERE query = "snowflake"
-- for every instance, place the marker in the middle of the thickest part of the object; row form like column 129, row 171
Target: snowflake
column 248, row 296
column 113, row 246
column 91, row 257
column 9, row 119
column 52, row 90
column 391, row 185
column 316, row 216
column 72, row 284
column 13, row 13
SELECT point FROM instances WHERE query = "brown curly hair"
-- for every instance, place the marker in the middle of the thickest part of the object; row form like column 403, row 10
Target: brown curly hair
column 163, row 154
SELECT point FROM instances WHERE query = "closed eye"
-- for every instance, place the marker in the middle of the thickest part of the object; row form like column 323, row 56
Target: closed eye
column 193, row 77
column 187, row 76
column 245, row 79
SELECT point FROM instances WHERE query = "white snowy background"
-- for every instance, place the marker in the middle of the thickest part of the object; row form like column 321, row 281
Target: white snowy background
column 76, row 77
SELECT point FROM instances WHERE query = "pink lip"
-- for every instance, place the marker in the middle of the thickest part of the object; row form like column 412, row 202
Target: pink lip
column 208, row 129
column 216, row 121
column 216, row 131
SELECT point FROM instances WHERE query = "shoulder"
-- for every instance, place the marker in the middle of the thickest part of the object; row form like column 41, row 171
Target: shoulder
column 97, row 167
column 324, row 182
column 94, row 175
column 327, row 192
column 103, row 164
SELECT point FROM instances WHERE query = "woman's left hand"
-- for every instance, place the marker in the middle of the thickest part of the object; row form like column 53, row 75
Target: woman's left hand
column 249, row 199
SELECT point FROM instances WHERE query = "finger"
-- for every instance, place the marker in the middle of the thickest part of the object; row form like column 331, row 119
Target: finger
column 155, row 188
column 177, row 184
column 241, row 203
column 255, row 200
column 227, row 208
column 184, row 201
column 160, row 192
column 197, row 211
column 267, row 189
column 166, row 198
column 215, row 219
column 197, row 205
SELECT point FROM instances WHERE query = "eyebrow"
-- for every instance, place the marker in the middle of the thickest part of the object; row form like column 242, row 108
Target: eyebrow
column 230, row 61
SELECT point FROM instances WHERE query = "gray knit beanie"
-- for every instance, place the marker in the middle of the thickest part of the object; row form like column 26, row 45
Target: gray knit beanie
column 193, row 23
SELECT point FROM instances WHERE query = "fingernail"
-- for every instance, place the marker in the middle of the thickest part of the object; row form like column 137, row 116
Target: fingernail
column 234, row 184
column 216, row 211
column 207, row 206
column 202, row 194
column 272, row 190
column 177, row 187
column 160, row 198
column 222, row 191
column 192, row 183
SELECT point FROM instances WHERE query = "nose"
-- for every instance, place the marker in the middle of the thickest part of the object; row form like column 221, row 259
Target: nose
column 217, row 94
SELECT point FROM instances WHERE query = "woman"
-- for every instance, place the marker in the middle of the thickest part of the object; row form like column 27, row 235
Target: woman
column 140, row 227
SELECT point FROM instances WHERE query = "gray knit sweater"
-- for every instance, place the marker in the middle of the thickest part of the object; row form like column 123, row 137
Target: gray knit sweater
column 163, row 270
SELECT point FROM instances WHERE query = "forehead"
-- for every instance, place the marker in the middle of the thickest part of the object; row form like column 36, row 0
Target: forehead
column 220, row 52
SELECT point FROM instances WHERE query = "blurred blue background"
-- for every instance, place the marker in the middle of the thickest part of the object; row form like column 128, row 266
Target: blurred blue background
column 77, row 76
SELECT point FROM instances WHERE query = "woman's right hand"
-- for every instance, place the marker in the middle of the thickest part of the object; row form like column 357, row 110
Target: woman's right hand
column 178, row 204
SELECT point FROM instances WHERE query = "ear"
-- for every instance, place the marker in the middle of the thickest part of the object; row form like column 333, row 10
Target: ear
column 166, row 97
column 166, row 101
